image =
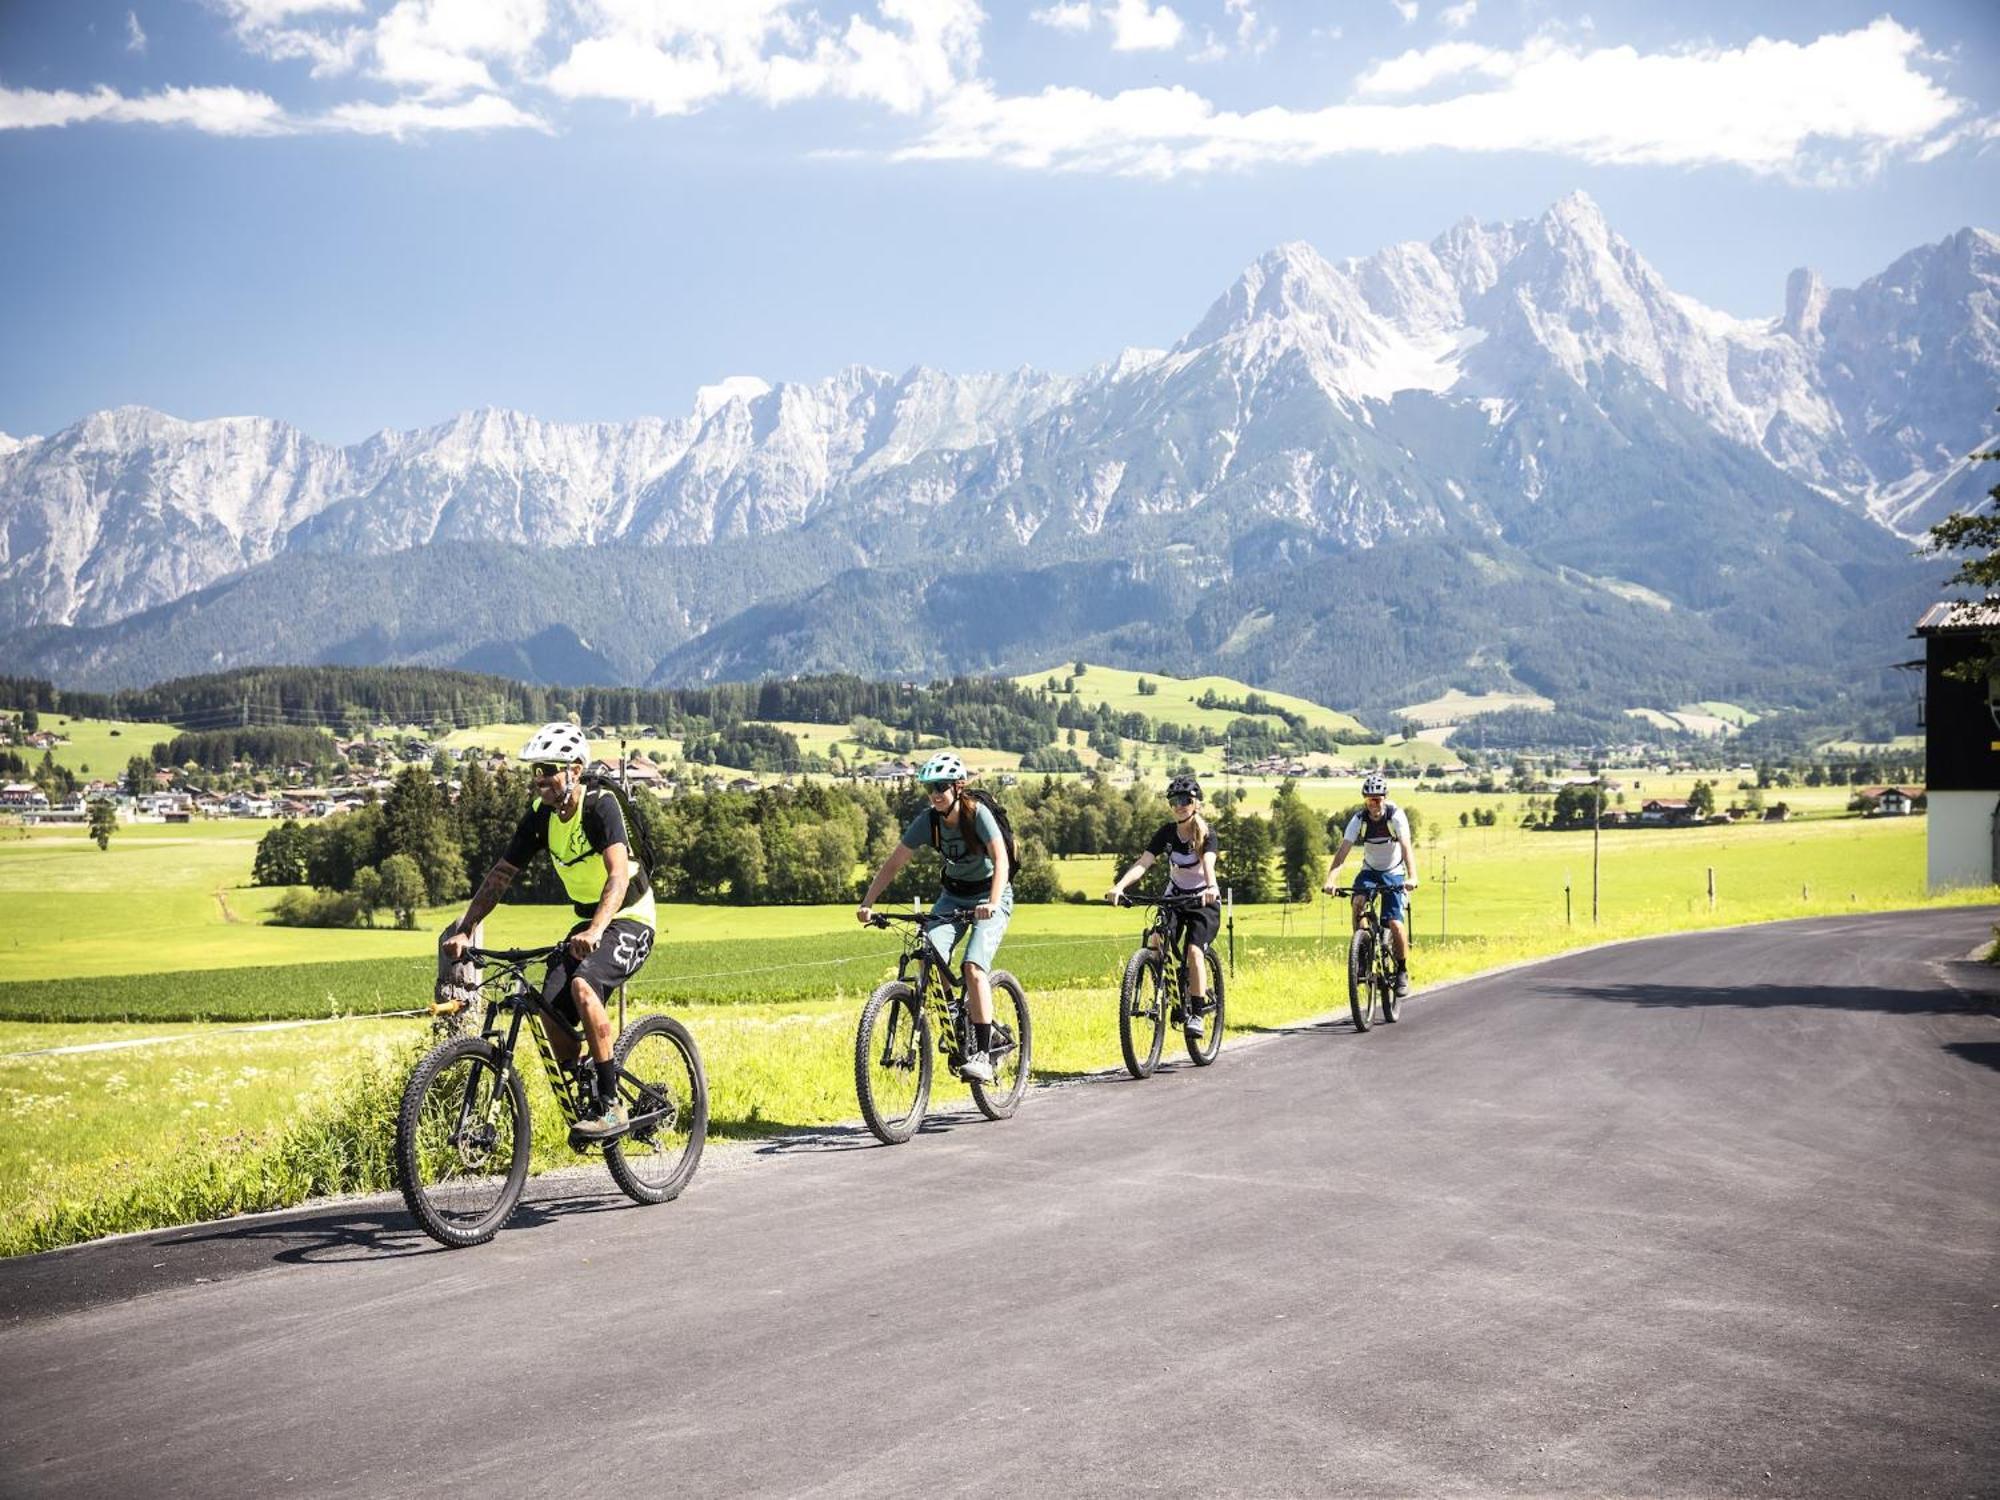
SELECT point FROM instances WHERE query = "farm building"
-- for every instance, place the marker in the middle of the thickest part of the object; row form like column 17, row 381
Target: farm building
column 1961, row 744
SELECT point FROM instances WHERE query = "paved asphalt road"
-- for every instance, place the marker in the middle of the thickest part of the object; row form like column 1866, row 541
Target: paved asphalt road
column 1711, row 1215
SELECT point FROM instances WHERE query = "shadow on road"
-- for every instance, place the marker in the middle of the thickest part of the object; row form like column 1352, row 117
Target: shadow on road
column 1904, row 1002
column 1986, row 1054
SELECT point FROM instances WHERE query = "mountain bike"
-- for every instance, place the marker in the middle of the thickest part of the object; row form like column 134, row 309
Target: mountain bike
column 1154, row 994
column 1371, row 962
column 463, row 1133
column 925, row 1003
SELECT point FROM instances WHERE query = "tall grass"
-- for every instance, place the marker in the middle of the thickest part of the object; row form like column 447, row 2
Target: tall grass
column 340, row 1141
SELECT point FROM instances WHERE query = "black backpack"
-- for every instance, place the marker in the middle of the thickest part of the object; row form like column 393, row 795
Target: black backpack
column 635, row 827
column 992, row 805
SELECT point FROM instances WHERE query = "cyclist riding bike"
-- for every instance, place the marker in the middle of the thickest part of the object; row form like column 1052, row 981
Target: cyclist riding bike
column 1388, row 863
column 1189, row 846
column 976, row 880
column 583, row 830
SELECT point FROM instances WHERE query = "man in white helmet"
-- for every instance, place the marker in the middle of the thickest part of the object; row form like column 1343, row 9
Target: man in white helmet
column 583, row 830
column 1383, row 833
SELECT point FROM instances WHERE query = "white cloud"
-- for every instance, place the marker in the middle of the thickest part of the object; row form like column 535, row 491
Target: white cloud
column 1458, row 17
column 1832, row 107
column 237, row 112
column 214, row 111
column 1407, row 9
column 407, row 117
column 1065, row 15
column 1253, row 34
column 673, row 58
column 1415, row 71
column 252, row 13
column 1139, row 27
column 443, row 47
column 135, row 34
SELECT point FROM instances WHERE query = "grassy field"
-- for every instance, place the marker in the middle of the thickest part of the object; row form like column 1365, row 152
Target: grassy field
column 219, row 1118
column 100, row 747
column 1177, row 700
column 1454, row 707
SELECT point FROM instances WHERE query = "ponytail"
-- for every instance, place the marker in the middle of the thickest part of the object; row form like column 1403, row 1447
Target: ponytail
column 1200, row 835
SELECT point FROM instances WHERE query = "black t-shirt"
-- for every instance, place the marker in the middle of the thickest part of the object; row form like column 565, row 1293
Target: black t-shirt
column 602, row 823
column 1184, row 872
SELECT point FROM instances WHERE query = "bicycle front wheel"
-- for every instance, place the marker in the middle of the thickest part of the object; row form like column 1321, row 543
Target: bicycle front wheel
column 892, row 1063
column 462, row 1141
column 1142, row 1012
column 1000, row 1098
column 1202, row 1050
column 666, row 1095
column 1361, row 978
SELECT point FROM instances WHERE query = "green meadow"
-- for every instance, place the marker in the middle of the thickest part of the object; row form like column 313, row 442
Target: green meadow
column 100, row 747
column 228, row 1114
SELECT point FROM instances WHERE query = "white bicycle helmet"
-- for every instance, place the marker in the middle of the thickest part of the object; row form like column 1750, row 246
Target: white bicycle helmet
column 942, row 767
column 561, row 743
column 1374, row 784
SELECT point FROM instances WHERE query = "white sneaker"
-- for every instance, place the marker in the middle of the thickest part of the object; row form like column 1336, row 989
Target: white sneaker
column 976, row 1068
column 1192, row 1022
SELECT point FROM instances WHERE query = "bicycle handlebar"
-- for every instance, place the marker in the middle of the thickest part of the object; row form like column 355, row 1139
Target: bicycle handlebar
column 1176, row 898
column 928, row 919
column 514, row 955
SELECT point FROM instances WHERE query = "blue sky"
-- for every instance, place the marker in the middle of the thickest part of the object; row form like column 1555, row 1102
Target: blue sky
column 357, row 214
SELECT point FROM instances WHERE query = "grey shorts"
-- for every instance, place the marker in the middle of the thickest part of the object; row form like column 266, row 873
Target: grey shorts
column 986, row 935
column 620, row 955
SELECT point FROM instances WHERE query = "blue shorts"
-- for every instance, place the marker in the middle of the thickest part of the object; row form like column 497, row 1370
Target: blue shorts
column 1395, row 900
column 986, row 935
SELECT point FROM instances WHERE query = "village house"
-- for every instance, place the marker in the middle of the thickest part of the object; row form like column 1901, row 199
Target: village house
column 1666, row 812
column 22, row 794
column 1892, row 801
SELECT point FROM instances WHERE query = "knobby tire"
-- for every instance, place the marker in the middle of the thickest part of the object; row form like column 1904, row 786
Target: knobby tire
column 1202, row 1050
column 892, row 1062
column 462, row 1142
column 659, row 1069
column 1000, row 1098
column 1361, row 979
column 1142, row 1012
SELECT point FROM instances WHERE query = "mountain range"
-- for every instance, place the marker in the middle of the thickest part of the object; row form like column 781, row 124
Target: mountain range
column 1510, row 457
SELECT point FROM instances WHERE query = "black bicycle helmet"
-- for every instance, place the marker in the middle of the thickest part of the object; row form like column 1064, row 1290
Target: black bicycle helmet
column 1184, row 786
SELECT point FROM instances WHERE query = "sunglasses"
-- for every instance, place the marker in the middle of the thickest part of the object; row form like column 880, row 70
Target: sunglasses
column 937, row 788
column 546, row 768
column 1180, row 802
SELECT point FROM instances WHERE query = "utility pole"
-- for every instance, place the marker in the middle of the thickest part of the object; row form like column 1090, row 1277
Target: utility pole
column 1596, row 825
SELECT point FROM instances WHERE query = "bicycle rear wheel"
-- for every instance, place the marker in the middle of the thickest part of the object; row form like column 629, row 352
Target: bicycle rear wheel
column 892, row 1062
column 1391, row 1003
column 1142, row 1012
column 666, row 1094
column 1361, row 978
column 1000, row 1098
column 462, row 1142
column 1202, row 1050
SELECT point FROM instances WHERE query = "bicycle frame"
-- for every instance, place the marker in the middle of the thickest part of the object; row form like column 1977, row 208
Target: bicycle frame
column 939, row 984
column 1162, row 925
column 521, row 1002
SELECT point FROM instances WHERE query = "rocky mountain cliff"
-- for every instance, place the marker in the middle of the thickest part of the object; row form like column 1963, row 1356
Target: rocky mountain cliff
column 1531, row 391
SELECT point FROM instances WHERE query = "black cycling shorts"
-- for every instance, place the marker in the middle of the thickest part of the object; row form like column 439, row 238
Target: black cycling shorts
column 616, row 959
column 1195, row 924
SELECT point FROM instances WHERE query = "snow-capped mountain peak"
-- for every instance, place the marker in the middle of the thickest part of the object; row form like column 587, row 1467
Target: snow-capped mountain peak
column 1275, row 404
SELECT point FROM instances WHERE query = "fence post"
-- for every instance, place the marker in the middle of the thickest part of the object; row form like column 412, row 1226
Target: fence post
column 1711, row 887
column 1229, row 907
column 1569, row 919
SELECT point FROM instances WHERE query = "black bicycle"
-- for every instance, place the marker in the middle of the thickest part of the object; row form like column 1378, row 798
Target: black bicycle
column 926, row 1002
column 463, row 1133
column 1155, row 995
column 1371, row 962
